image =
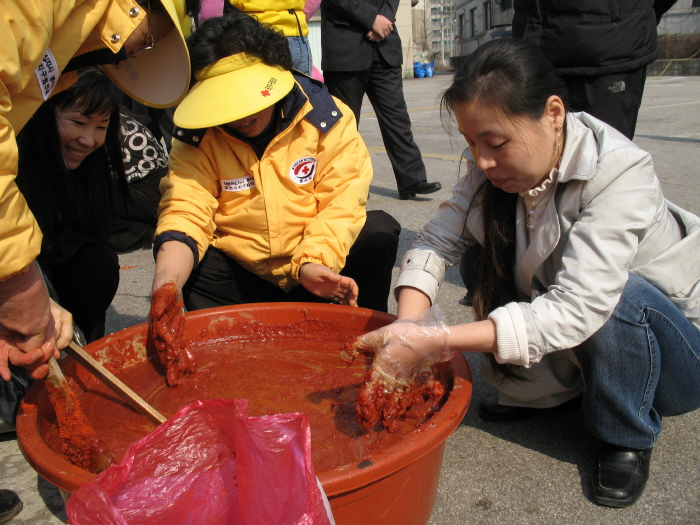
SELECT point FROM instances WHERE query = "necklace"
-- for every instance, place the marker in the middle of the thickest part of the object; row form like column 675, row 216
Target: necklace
column 534, row 196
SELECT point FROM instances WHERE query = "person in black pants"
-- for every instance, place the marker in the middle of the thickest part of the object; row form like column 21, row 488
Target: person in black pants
column 362, row 54
column 600, row 50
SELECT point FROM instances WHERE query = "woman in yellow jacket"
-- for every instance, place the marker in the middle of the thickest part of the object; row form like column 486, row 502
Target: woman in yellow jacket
column 265, row 199
column 41, row 39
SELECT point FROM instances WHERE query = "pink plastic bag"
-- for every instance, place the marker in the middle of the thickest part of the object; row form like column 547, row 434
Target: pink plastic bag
column 210, row 463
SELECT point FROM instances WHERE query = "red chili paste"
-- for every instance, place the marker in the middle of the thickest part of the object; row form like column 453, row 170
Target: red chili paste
column 166, row 324
column 377, row 406
column 279, row 369
column 79, row 441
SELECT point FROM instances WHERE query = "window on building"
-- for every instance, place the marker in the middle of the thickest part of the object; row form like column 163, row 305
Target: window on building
column 487, row 16
column 696, row 3
column 460, row 25
column 472, row 16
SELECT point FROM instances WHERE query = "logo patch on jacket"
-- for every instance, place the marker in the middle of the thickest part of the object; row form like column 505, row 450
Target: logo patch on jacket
column 242, row 184
column 303, row 170
column 47, row 74
column 617, row 87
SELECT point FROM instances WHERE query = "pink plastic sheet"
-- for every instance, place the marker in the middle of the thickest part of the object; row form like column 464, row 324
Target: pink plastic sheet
column 210, row 463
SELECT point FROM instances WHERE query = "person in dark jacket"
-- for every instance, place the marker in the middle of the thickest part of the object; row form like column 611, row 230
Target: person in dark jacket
column 600, row 49
column 361, row 52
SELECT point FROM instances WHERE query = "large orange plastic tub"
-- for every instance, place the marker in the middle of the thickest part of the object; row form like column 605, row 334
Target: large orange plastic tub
column 396, row 485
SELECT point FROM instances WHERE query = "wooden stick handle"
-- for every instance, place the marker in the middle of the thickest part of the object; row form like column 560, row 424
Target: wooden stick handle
column 55, row 372
column 119, row 388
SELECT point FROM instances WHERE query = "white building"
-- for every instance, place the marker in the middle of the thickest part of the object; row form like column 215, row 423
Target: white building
column 683, row 18
column 434, row 26
column 476, row 20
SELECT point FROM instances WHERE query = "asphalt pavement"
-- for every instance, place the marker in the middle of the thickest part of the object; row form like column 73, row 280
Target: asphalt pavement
column 534, row 472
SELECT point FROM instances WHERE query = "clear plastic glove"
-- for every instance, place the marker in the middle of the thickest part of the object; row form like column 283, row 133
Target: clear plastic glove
column 405, row 347
column 401, row 378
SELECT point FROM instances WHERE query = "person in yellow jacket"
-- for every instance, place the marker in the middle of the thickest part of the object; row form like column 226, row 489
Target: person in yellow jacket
column 43, row 43
column 265, row 199
column 286, row 16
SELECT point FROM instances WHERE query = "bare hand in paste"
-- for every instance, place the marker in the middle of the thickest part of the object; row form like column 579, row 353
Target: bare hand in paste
column 166, row 324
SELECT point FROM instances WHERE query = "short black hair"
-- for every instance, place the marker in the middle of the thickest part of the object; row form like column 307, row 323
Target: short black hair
column 237, row 32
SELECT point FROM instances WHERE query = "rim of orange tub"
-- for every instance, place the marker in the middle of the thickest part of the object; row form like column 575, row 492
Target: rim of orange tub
column 68, row 477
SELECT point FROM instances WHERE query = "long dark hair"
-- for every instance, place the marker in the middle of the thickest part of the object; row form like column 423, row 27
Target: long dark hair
column 517, row 78
column 237, row 32
column 67, row 202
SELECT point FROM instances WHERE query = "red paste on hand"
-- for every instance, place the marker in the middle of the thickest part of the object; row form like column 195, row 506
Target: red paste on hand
column 166, row 324
column 376, row 406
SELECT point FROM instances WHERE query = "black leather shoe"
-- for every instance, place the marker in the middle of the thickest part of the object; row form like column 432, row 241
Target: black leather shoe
column 419, row 187
column 491, row 410
column 10, row 505
column 620, row 475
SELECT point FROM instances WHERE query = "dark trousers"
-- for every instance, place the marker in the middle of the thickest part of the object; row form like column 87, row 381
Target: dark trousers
column 85, row 285
column 218, row 280
column 384, row 88
column 614, row 99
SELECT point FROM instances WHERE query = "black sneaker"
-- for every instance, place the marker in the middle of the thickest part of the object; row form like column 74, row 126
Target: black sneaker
column 10, row 505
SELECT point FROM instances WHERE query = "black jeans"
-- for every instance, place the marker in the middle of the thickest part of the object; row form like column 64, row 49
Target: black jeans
column 614, row 98
column 218, row 280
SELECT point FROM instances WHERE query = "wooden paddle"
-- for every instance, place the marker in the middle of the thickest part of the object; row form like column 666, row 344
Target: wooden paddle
column 108, row 378
column 80, row 443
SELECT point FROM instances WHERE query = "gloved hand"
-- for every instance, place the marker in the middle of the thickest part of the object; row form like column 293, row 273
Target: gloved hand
column 404, row 347
column 400, row 377
column 166, row 324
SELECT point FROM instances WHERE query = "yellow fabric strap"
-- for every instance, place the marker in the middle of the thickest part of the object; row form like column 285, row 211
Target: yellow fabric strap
column 227, row 65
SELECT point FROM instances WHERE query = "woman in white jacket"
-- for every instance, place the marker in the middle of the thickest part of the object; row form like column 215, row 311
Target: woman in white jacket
column 588, row 281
